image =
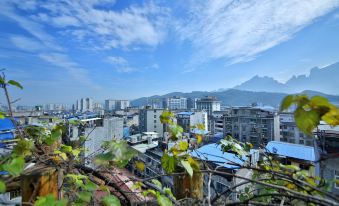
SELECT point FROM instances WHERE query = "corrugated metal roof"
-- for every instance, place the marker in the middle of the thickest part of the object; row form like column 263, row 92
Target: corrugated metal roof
column 213, row 153
column 6, row 124
column 6, row 136
column 297, row 151
column 186, row 113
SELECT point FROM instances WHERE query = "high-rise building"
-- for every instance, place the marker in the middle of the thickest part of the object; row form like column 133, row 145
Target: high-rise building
column 85, row 105
column 122, row 104
column 189, row 119
column 112, row 105
column 286, row 130
column 209, row 104
column 173, row 103
column 149, row 121
column 250, row 124
column 192, row 103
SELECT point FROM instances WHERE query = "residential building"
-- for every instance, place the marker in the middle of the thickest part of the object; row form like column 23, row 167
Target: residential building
column 110, row 105
column 250, row 124
column 192, row 103
column 328, row 146
column 84, row 105
column 218, row 121
column 149, row 121
column 175, row 103
column 97, row 131
column 209, row 104
column 286, row 130
column 189, row 119
column 122, row 104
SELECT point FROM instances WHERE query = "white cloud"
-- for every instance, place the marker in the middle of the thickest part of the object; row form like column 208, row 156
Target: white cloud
column 120, row 64
column 27, row 44
column 143, row 25
column 238, row 31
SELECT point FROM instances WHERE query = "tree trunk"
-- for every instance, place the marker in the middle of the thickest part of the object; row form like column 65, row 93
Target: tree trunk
column 39, row 181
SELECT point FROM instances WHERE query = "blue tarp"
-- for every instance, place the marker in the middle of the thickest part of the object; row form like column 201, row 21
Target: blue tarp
column 291, row 150
column 6, row 136
column 6, row 124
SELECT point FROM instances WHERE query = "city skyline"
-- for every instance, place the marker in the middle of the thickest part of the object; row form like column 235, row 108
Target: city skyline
column 62, row 51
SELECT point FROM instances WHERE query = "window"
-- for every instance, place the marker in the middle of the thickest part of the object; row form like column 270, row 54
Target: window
column 155, row 116
column 155, row 121
column 304, row 167
column 301, row 141
column 219, row 187
column 336, row 176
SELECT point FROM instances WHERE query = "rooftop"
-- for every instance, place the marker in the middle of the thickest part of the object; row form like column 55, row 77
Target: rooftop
column 213, row 153
column 297, row 151
column 6, row 124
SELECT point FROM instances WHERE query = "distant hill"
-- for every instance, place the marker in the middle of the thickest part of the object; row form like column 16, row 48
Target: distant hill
column 234, row 97
column 320, row 79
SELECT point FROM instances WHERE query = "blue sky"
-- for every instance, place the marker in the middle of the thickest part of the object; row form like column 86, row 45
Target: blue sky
column 62, row 50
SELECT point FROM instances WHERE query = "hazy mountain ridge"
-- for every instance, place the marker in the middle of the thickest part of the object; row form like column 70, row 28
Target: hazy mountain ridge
column 234, row 97
column 320, row 79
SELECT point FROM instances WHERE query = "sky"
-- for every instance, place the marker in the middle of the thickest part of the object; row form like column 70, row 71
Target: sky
column 62, row 50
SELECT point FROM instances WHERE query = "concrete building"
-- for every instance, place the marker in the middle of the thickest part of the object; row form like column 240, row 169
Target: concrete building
column 189, row 119
column 98, row 131
column 122, row 104
column 250, row 124
column 192, row 103
column 110, row 105
column 84, row 105
column 328, row 146
column 218, row 121
column 174, row 103
column 149, row 121
column 209, row 104
column 286, row 130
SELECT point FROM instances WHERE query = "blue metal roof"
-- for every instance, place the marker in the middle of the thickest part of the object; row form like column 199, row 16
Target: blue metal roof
column 6, row 136
column 199, row 131
column 291, row 150
column 212, row 152
column 6, row 124
column 186, row 113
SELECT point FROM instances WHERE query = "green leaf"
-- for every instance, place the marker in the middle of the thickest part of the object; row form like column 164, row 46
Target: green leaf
column 15, row 83
column 2, row 115
column 110, row 200
column 149, row 191
column 306, row 121
column 157, row 183
column 53, row 137
column 23, row 147
column 166, row 117
column 66, row 148
column 15, row 167
column 187, row 167
column 287, row 102
column 2, row 187
column 85, row 196
column 169, row 192
column 50, row 200
column 194, row 164
column 90, row 186
column 168, row 163
column 164, row 201
column 183, row 145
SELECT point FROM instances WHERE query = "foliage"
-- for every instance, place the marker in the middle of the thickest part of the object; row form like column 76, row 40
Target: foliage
column 50, row 200
column 310, row 111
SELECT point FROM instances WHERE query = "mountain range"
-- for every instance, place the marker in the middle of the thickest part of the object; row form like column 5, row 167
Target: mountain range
column 320, row 79
column 268, row 91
